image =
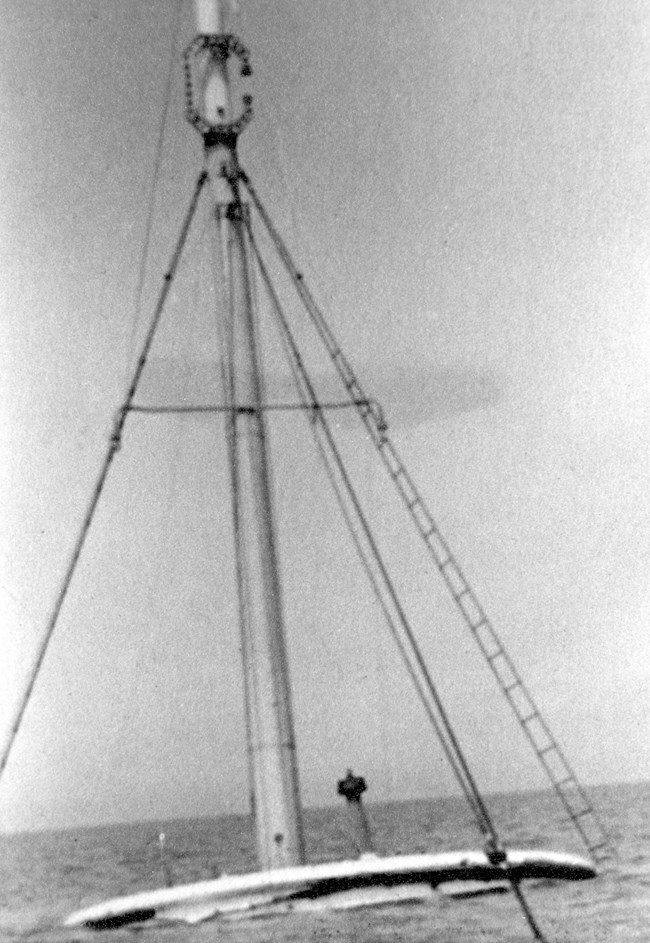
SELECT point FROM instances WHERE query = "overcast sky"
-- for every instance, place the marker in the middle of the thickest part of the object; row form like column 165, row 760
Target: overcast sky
column 465, row 185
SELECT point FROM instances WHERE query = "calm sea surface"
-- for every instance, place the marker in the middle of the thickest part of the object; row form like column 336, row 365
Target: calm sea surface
column 45, row 876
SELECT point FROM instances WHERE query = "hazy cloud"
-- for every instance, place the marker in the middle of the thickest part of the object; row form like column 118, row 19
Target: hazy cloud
column 408, row 395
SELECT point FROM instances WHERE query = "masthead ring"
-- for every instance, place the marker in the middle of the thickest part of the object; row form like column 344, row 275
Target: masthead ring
column 216, row 46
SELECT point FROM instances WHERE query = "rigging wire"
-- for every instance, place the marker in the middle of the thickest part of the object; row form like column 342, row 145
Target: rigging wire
column 166, row 506
column 459, row 764
column 328, row 461
column 114, row 446
column 151, row 205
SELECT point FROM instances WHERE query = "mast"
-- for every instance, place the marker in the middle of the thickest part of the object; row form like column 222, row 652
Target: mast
column 271, row 741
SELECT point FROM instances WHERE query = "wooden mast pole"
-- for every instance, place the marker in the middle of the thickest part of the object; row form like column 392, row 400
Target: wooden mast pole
column 273, row 764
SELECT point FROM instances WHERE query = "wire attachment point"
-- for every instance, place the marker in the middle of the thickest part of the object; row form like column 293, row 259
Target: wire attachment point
column 495, row 853
column 118, row 426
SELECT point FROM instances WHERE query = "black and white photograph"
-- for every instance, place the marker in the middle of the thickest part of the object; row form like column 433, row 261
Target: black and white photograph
column 324, row 471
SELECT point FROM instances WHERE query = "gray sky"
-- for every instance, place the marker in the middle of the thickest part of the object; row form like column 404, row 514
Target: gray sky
column 466, row 187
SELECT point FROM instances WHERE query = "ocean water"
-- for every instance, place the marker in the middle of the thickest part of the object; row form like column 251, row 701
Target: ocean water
column 44, row 876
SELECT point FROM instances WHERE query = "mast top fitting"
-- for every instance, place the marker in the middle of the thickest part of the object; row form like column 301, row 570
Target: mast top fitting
column 208, row 51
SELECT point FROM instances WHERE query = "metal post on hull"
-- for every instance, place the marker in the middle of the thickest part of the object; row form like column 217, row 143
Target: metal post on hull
column 273, row 764
column 352, row 789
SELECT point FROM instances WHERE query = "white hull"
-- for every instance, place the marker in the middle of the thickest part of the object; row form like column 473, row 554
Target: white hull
column 368, row 881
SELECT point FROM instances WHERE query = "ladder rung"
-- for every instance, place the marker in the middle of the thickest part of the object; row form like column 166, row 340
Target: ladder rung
column 578, row 815
column 463, row 592
column 529, row 717
column 495, row 655
column 477, row 625
column 568, row 779
column 511, row 687
column 547, row 749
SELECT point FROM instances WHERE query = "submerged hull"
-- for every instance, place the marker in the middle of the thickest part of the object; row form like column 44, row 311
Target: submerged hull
column 367, row 881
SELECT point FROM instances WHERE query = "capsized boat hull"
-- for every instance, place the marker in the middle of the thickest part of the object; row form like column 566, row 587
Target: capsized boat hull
column 365, row 881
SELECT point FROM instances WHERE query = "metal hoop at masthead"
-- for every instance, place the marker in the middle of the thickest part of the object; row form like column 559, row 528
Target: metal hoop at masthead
column 218, row 46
